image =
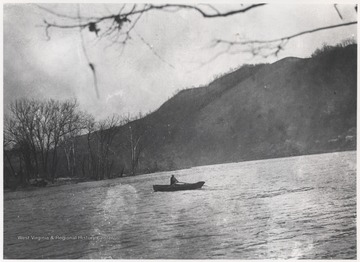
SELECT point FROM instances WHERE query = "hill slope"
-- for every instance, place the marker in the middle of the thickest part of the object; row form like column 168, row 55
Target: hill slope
column 291, row 107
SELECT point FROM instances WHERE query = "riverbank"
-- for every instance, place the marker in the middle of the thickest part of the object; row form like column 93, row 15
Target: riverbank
column 61, row 181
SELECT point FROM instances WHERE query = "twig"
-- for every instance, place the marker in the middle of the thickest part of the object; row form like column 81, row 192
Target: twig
column 121, row 9
column 153, row 50
column 338, row 12
column 213, row 8
column 215, row 56
column 131, row 28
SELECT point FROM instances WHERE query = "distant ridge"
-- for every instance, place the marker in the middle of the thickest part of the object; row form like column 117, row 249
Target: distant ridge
column 292, row 107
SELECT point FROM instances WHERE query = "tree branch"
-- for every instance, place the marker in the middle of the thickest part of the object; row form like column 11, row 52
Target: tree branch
column 94, row 20
column 277, row 44
column 286, row 37
column 153, row 50
column 203, row 13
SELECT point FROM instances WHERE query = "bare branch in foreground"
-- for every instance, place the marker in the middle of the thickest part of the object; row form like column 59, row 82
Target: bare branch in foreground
column 118, row 28
column 274, row 45
column 147, row 7
column 114, row 28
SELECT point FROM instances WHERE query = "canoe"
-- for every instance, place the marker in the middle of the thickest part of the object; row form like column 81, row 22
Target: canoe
column 178, row 187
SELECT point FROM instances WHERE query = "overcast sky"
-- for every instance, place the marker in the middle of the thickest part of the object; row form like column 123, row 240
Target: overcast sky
column 136, row 79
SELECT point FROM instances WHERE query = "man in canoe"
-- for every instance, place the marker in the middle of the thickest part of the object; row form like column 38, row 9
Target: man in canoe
column 173, row 180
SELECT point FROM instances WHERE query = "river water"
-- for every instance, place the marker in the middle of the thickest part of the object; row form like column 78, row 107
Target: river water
column 298, row 207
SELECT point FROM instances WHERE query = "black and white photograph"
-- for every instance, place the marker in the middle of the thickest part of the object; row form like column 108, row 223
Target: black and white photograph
column 180, row 130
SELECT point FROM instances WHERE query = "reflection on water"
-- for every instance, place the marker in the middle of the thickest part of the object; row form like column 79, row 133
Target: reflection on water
column 298, row 207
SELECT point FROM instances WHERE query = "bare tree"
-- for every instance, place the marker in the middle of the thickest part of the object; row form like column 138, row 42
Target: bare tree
column 98, row 163
column 37, row 128
column 89, row 160
column 64, row 115
column 135, row 150
column 20, row 130
column 107, row 130
column 135, row 135
column 76, row 127
column 11, row 172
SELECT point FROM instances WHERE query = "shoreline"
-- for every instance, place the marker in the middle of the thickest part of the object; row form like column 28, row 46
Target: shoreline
column 62, row 181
